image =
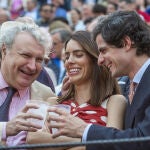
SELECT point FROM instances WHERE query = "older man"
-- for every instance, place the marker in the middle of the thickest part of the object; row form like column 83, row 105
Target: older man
column 22, row 50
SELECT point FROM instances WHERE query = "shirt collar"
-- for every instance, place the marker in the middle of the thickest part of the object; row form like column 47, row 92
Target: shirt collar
column 23, row 93
column 139, row 74
column 4, row 85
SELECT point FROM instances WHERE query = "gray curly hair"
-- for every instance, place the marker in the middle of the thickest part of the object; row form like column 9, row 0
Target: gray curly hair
column 10, row 29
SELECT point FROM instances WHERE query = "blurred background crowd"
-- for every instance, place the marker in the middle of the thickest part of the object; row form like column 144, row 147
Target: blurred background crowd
column 76, row 13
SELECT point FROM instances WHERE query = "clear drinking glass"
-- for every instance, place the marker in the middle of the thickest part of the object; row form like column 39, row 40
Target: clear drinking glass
column 64, row 107
column 42, row 111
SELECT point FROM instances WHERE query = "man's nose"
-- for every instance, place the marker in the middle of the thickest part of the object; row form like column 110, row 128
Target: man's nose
column 32, row 64
column 100, row 59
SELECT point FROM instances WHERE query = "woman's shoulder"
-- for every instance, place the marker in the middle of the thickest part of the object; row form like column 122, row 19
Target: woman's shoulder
column 117, row 99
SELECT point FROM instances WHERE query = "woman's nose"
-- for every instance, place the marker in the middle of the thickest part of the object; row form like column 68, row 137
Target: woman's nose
column 71, row 59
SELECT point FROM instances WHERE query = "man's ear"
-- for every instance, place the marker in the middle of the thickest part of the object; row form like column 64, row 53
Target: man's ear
column 3, row 50
column 128, row 43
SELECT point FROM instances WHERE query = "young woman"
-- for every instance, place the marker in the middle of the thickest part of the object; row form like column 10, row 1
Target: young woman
column 93, row 95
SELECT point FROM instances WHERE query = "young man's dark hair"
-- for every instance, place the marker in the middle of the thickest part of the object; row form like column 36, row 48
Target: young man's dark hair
column 121, row 24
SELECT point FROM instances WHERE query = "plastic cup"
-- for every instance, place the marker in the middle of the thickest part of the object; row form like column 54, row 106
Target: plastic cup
column 64, row 107
column 42, row 111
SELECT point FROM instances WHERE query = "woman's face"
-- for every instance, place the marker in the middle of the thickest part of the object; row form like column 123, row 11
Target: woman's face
column 78, row 64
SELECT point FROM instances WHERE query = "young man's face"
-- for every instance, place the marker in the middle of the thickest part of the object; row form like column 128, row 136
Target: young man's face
column 22, row 64
column 112, row 57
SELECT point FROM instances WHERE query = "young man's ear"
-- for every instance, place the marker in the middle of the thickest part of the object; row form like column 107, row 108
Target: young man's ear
column 127, row 43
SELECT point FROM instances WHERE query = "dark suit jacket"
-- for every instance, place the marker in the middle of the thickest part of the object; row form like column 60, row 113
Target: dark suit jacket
column 45, row 79
column 137, row 121
column 55, row 68
column 124, row 83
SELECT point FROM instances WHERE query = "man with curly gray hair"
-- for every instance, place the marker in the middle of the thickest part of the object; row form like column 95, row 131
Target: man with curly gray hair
column 22, row 50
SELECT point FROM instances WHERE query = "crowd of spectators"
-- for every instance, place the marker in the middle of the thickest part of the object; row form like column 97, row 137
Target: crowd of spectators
column 75, row 13
column 59, row 20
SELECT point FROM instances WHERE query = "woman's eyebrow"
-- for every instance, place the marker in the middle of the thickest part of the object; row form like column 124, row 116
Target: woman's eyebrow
column 77, row 50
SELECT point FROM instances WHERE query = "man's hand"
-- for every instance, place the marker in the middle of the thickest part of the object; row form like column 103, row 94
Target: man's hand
column 21, row 121
column 65, row 86
column 66, row 124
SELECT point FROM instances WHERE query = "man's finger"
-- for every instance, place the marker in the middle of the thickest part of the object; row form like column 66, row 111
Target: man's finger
column 28, row 124
column 66, row 83
column 29, row 106
column 56, row 110
column 28, row 128
column 33, row 116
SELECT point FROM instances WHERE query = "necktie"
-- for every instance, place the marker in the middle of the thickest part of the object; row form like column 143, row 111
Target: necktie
column 132, row 91
column 4, row 108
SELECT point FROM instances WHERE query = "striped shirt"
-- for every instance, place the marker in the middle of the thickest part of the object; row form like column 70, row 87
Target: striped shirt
column 18, row 102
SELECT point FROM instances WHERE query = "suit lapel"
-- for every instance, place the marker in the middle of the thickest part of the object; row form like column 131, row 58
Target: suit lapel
column 40, row 92
column 35, row 91
column 138, row 99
